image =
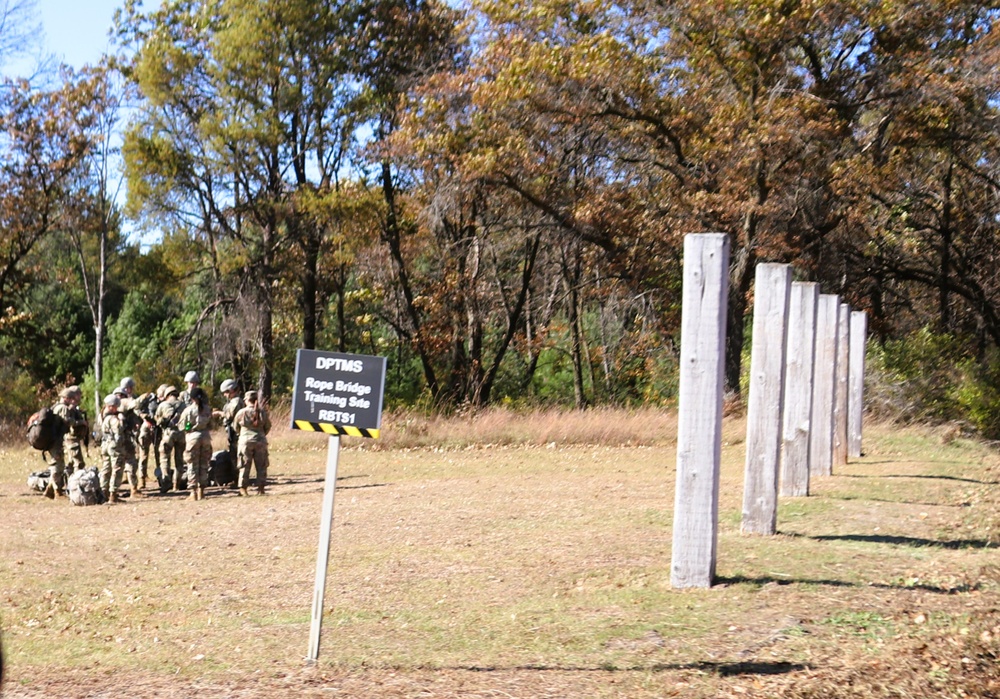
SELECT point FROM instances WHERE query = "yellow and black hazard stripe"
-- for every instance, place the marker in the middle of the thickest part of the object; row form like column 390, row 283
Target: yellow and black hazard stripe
column 334, row 429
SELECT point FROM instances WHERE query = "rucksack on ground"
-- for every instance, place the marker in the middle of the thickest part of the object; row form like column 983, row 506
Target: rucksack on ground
column 45, row 429
column 39, row 480
column 221, row 469
column 85, row 487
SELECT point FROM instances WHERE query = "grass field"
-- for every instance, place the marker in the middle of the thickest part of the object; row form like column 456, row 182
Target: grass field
column 512, row 556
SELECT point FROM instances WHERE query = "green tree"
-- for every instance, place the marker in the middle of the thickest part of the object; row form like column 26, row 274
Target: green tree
column 242, row 126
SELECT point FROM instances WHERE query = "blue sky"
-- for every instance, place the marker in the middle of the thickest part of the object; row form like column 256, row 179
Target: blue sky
column 75, row 31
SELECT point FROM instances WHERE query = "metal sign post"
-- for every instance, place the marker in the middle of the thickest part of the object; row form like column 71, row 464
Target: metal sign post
column 323, row 553
column 335, row 394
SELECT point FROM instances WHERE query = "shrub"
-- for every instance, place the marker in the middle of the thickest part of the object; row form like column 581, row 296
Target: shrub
column 915, row 378
column 978, row 394
column 19, row 399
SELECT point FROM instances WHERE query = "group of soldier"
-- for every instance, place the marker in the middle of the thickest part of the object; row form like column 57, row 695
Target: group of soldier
column 174, row 426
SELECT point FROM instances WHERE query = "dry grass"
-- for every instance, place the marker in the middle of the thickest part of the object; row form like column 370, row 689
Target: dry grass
column 536, row 566
column 500, row 427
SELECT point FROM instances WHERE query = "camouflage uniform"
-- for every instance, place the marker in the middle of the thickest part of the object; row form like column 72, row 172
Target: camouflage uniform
column 54, row 456
column 229, row 411
column 198, row 444
column 77, row 430
column 129, row 446
column 171, row 439
column 148, row 437
column 253, row 424
column 115, row 433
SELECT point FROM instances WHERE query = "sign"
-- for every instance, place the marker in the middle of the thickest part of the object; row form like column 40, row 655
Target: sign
column 338, row 393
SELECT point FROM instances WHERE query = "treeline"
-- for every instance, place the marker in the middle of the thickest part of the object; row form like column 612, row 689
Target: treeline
column 494, row 195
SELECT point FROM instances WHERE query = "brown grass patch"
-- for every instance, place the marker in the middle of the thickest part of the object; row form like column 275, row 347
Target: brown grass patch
column 503, row 427
column 512, row 558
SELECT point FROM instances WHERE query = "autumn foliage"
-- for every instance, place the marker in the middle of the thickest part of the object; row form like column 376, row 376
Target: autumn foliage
column 494, row 195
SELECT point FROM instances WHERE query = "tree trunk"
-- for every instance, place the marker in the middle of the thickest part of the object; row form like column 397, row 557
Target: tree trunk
column 341, row 308
column 944, row 309
column 310, row 285
column 102, row 274
column 571, row 279
column 266, row 307
column 392, row 236
column 741, row 276
column 520, row 309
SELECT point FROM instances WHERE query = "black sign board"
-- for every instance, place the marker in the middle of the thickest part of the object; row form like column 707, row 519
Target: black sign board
column 338, row 393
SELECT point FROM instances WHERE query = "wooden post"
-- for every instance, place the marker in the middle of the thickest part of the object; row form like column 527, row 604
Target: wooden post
column 824, row 386
column 856, row 383
column 799, row 367
column 840, row 393
column 699, row 422
column 765, row 401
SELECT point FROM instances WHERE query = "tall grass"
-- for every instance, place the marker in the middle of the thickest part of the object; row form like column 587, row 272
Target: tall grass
column 648, row 426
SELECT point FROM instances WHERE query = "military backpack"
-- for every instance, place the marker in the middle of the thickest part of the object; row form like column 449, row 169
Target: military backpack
column 45, row 429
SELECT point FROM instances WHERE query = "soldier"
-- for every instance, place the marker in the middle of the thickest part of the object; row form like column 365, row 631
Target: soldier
column 145, row 407
column 253, row 424
column 193, row 380
column 168, row 415
column 234, row 403
column 54, row 455
column 196, row 419
column 77, row 428
column 130, row 445
column 113, row 460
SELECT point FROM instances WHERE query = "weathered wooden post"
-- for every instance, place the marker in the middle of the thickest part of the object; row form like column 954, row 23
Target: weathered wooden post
column 824, row 386
column 772, row 286
column 699, row 422
column 840, row 393
column 856, row 384
column 799, row 367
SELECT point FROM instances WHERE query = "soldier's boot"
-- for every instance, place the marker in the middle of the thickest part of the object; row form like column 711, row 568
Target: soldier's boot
column 135, row 492
column 142, row 483
column 201, row 492
column 113, row 496
column 177, row 481
column 243, row 491
column 193, row 495
column 107, row 495
column 61, row 486
column 50, row 490
column 260, row 489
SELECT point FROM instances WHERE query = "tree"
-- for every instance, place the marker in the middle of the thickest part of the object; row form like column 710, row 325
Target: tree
column 19, row 29
column 242, row 128
column 923, row 183
column 44, row 143
column 90, row 219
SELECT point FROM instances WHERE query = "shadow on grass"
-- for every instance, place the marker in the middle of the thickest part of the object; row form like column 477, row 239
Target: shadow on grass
column 861, row 498
column 720, row 669
column 904, row 541
column 902, row 475
column 302, row 480
column 768, row 580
